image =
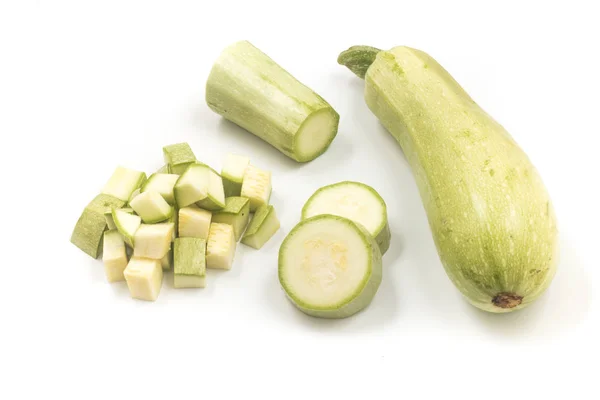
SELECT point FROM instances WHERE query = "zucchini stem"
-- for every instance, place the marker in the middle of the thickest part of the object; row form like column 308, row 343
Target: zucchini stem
column 358, row 59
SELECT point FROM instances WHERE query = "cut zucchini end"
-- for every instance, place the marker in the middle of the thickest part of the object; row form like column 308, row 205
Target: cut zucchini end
column 123, row 183
column 262, row 228
column 151, row 207
column 153, row 241
column 114, row 256
column 144, row 278
column 220, row 246
column 194, row 222
column 329, row 266
column 316, row 134
column 356, row 201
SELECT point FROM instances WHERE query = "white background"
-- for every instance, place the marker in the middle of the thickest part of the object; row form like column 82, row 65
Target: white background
column 85, row 86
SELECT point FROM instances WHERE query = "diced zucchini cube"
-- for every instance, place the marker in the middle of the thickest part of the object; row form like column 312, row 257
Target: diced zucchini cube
column 178, row 156
column 192, row 186
column 236, row 213
column 151, row 207
column 263, row 226
column 123, row 183
column 232, row 173
column 220, row 246
column 167, row 261
column 153, row 241
column 127, row 224
column 144, row 278
column 114, row 256
column 194, row 222
column 190, row 263
column 215, row 199
column 256, row 186
column 163, row 184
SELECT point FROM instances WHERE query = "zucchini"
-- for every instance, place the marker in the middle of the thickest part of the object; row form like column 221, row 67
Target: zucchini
column 215, row 200
column 256, row 186
column 329, row 266
column 248, row 88
column 355, row 201
column 114, row 256
column 127, row 224
column 144, row 278
column 190, row 263
column 151, row 207
column 194, row 222
column 110, row 223
column 232, row 173
column 220, row 246
column 89, row 229
column 153, row 241
column 123, row 183
column 178, row 157
column 167, row 261
column 491, row 217
column 200, row 185
column 236, row 213
column 263, row 226
column 163, row 184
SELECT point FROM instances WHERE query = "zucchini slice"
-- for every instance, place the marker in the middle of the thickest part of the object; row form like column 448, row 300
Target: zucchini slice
column 329, row 266
column 355, row 201
column 263, row 226
column 190, row 263
column 236, row 213
column 123, row 183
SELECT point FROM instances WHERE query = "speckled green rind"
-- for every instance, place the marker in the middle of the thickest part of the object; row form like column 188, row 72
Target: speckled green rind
column 263, row 226
column 491, row 217
column 236, row 213
column 358, row 59
column 89, row 229
column 248, row 88
column 382, row 234
column 189, row 256
column 178, row 156
column 368, row 288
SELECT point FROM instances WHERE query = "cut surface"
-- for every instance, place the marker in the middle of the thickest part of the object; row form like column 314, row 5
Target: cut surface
column 194, row 222
column 190, row 262
column 236, row 213
column 232, row 173
column 220, row 246
column 153, row 241
column 256, row 186
column 192, row 186
column 215, row 199
column 144, row 278
column 114, row 256
column 316, row 134
column 89, row 229
column 163, row 184
column 127, row 224
column 123, row 183
column 178, row 156
column 329, row 266
column 263, row 226
column 355, row 201
column 151, row 207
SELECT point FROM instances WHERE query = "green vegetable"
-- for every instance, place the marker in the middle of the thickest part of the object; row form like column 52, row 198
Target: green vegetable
column 153, row 241
column 163, row 184
column 123, row 183
column 329, row 266
column 151, row 207
column 355, row 201
column 215, row 200
column 178, row 157
column 90, row 227
column 491, row 217
column 263, row 226
column 167, row 261
column 199, row 184
column 256, row 186
column 220, row 246
column 194, row 222
column 114, row 256
column 127, row 224
column 190, row 263
column 164, row 169
column 144, row 278
column 110, row 223
column 232, row 173
column 248, row 88
column 236, row 213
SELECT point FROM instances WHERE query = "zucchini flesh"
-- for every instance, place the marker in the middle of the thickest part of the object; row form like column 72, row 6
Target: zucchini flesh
column 232, row 173
column 194, row 222
column 220, row 246
column 163, row 184
column 330, row 267
column 178, row 157
column 114, row 256
column 263, row 226
column 144, row 278
column 355, row 201
column 123, row 183
column 153, row 241
column 256, row 186
column 190, row 263
column 89, row 229
column 151, row 207
column 236, row 213
column 127, row 224
column 215, row 199
column 248, row 88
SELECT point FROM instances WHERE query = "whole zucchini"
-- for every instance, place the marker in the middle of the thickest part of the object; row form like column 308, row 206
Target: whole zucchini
column 491, row 217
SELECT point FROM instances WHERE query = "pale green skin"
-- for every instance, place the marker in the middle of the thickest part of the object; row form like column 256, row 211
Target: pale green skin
column 251, row 90
column 355, row 302
column 491, row 217
column 178, row 157
column 189, row 257
column 236, row 213
column 263, row 226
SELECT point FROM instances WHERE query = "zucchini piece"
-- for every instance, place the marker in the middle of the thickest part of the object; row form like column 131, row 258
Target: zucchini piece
column 194, row 222
column 89, row 229
column 256, row 186
column 190, row 263
column 193, row 185
column 236, row 213
column 263, row 226
column 153, row 241
column 232, row 173
column 163, row 184
column 163, row 170
column 114, row 256
column 144, row 278
column 220, row 246
column 151, row 207
column 135, row 194
column 329, row 266
column 355, row 201
column 110, row 223
column 123, row 183
column 215, row 200
column 178, row 157
column 248, row 88
column 127, row 224
column 167, row 261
